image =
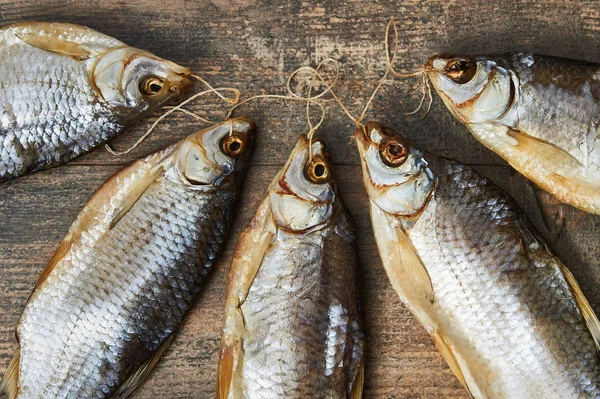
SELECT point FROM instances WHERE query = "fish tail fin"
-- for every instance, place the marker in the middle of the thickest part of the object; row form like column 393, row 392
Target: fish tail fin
column 9, row 385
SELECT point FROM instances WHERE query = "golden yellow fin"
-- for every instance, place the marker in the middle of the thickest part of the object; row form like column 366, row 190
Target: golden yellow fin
column 70, row 49
column 61, row 251
column 359, row 382
column 143, row 372
column 591, row 320
column 227, row 356
column 70, row 40
column 412, row 264
column 543, row 150
column 134, row 193
column 9, row 385
column 448, row 355
column 248, row 255
column 230, row 355
column 402, row 264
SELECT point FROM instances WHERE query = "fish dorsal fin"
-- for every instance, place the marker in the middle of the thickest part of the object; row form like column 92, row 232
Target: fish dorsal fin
column 359, row 382
column 247, row 258
column 61, row 251
column 591, row 320
column 95, row 206
column 448, row 355
column 9, row 385
column 143, row 372
column 99, row 200
column 65, row 39
column 134, row 193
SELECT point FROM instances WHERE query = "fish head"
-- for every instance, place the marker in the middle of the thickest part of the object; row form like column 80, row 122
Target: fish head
column 475, row 89
column 396, row 175
column 215, row 156
column 134, row 81
column 303, row 193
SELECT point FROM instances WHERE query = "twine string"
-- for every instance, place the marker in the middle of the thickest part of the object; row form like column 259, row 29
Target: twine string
column 219, row 92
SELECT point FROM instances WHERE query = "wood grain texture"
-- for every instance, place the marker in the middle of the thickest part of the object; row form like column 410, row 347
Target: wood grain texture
column 254, row 45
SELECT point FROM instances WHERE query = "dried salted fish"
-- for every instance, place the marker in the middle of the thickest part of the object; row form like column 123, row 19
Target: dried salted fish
column 118, row 287
column 67, row 89
column 505, row 313
column 539, row 113
column 292, row 318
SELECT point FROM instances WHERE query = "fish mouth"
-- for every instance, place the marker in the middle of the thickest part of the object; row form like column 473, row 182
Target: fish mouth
column 177, row 69
column 363, row 139
column 438, row 63
column 435, row 68
column 363, row 136
column 243, row 125
column 281, row 185
column 363, row 142
column 178, row 83
column 303, row 142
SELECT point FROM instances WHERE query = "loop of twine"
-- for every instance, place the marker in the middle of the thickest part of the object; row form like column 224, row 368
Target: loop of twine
column 421, row 71
column 311, row 100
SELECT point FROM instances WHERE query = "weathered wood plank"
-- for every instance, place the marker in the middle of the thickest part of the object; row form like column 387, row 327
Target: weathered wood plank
column 254, row 45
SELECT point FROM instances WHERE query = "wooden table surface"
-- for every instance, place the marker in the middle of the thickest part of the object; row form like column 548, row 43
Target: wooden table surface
column 254, row 45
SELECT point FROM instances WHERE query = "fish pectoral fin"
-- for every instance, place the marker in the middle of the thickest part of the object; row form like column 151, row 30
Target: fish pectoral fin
column 402, row 263
column 359, row 382
column 9, row 385
column 448, row 355
column 591, row 320
column 249, row 252
column 413, row 265
column 248, row 256
column 135, row 192
column 542, row 150
column 140, row 375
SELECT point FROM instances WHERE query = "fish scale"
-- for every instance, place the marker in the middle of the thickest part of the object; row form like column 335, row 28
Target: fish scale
column 296, row 332
column 42, row 133
column 465, row 252
column 203, row 224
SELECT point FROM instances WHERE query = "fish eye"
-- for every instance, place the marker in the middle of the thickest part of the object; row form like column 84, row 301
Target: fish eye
column 151, row 85
column 317, row 171
column 393, row 154
column 232, row 145
column 461, row 71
